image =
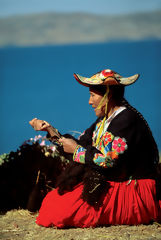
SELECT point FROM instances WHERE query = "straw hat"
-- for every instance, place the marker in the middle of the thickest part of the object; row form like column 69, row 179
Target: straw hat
column 106, row 77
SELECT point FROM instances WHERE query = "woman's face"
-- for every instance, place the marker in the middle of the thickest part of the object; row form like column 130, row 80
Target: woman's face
column 94, row 101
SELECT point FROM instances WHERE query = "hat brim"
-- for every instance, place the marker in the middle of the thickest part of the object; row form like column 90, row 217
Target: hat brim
column 87, row 82
column 110, row 80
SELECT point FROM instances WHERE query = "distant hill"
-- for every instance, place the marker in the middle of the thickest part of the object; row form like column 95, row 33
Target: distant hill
column 54, row 28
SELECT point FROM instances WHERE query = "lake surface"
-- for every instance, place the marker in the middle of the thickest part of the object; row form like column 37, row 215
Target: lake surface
column 38, row 82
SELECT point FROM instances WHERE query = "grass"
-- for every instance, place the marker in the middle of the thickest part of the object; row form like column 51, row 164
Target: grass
column 20, row 224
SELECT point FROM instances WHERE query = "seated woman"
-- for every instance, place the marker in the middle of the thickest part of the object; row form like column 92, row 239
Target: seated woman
column 120, row 148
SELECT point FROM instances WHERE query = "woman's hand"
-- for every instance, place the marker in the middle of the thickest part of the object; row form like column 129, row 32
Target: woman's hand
column 69, row 145
column 39, row 125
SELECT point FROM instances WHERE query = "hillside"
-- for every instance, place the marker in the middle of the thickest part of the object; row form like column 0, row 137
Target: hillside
column 54, row 28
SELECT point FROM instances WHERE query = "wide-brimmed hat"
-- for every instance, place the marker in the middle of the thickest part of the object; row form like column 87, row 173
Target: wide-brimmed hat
column 106, row 77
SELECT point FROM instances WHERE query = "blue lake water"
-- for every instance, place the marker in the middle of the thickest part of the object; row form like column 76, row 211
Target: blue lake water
column 38, row 82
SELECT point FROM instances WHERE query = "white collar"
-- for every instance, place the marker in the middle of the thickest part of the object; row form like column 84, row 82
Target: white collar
column 116, row 112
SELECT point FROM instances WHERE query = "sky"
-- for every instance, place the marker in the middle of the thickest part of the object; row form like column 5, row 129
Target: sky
column 15, row 7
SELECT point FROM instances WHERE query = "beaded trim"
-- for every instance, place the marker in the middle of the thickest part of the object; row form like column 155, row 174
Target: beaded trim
column 75, row 151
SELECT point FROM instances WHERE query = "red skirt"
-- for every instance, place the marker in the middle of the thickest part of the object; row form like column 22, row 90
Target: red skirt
column 123, row 203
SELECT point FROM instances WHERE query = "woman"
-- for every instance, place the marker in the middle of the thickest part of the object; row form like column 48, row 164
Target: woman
column 120, row 155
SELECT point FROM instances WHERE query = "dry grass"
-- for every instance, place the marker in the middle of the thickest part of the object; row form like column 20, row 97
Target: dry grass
column 20, row 224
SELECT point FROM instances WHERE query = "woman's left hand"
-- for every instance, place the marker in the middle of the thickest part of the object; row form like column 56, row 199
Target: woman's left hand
column 69, row 145
column 39, row 125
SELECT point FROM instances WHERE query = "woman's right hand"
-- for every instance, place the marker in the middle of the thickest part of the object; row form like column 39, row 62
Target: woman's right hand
column 39, row 125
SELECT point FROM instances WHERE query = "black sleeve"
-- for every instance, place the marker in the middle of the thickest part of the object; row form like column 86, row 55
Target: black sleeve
column 123, row 126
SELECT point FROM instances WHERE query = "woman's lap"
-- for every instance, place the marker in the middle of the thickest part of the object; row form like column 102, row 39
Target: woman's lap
column 122, row 203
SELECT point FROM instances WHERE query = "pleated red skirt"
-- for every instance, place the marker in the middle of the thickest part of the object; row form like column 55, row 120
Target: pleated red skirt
column 123, row 203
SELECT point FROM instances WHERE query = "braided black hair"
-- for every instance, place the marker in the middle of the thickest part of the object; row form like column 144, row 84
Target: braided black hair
column 118, row 96
column 156, row 152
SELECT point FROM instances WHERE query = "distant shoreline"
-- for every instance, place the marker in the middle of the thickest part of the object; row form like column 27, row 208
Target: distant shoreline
column 78, row 28
column 124, row 41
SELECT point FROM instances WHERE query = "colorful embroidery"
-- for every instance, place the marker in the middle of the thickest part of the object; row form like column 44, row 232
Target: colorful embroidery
column 107, row 138
column 110, row 147
column 79, row 155
column 119, row 144
column 106, row 143
column 102, row 161
column 112, row 154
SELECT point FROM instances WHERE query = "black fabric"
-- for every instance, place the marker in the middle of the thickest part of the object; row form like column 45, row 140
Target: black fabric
column 93, row 182
column 139, row 159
